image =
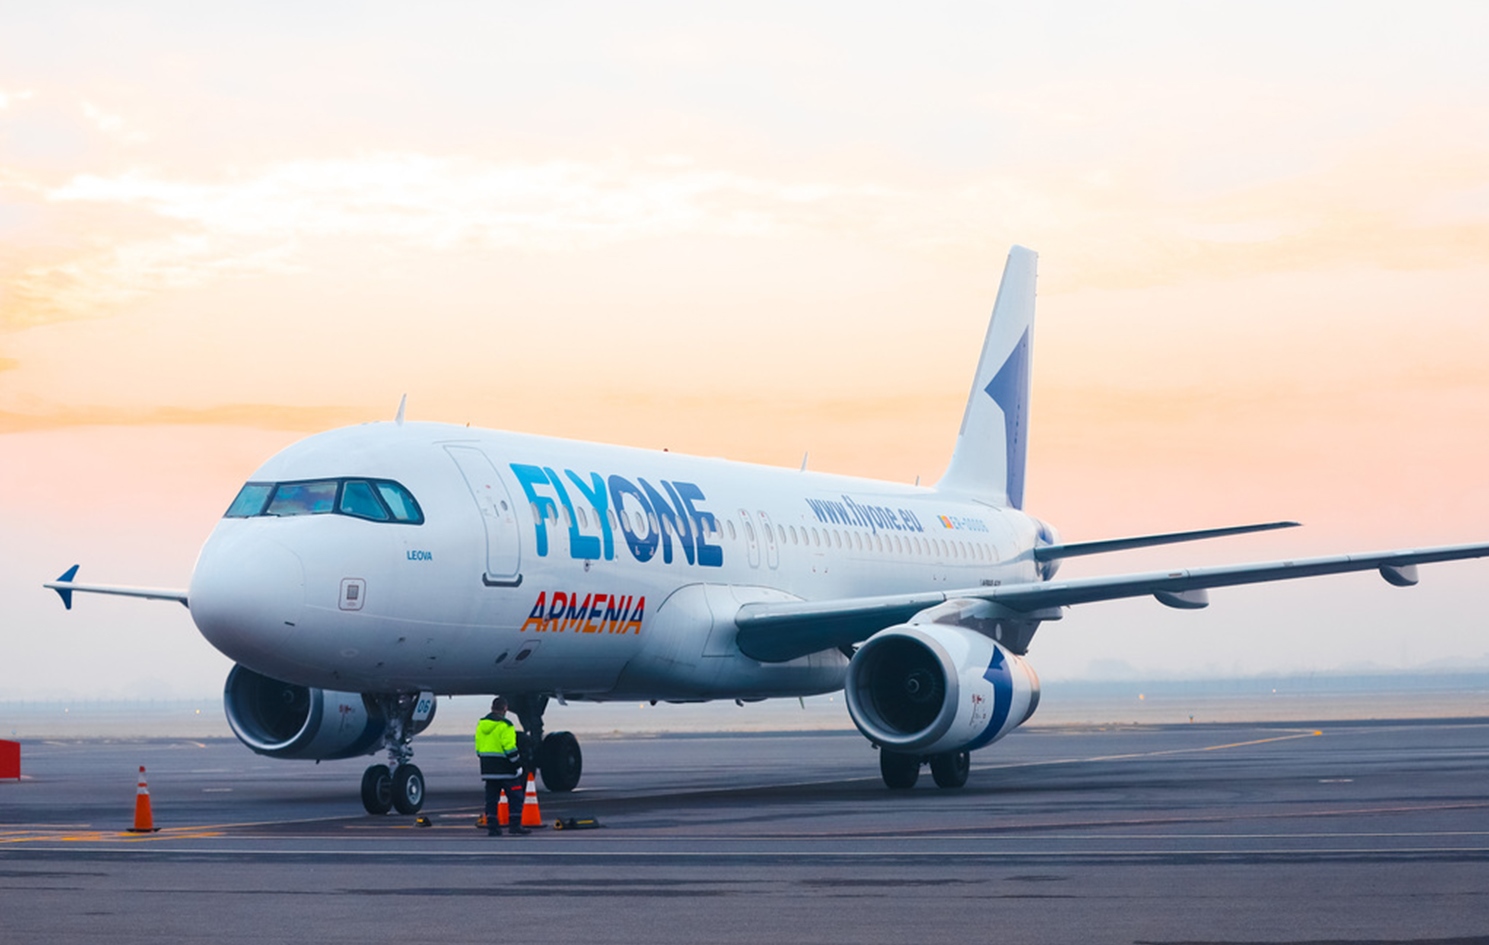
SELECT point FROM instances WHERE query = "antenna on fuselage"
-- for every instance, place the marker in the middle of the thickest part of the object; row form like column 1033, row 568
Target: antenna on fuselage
column 804, row 460
column 402, row 403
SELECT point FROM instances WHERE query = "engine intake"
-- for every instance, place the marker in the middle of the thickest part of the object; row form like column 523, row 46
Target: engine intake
column 930, row 688
column 284, row 720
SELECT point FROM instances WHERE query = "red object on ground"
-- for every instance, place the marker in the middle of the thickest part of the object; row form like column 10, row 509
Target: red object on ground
column 10, row 759
column 144, row 821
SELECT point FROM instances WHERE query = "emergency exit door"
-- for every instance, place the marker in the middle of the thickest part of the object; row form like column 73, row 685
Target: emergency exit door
column 498, row 516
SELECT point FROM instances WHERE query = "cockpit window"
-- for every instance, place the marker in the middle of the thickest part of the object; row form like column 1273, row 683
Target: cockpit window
column 358, row 499
column 303, row 498
column 250, row 500
column 405, row 509
column 377, row 500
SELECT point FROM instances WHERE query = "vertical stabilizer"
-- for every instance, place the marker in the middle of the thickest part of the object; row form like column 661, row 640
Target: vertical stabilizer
column 988, row 462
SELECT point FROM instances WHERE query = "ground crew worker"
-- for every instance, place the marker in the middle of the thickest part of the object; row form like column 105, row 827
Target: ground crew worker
column 501, row 767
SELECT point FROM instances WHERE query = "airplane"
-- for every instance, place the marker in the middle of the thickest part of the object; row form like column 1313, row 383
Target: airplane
column 363, row 571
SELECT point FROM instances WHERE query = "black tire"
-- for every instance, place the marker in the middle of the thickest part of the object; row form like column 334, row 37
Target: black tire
column 377, row 789
column 900, row 772
column 560, row 761
column 950, row 768
column 408, row 789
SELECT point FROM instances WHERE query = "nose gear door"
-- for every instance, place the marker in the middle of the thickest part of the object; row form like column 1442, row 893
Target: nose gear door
column 498, row 516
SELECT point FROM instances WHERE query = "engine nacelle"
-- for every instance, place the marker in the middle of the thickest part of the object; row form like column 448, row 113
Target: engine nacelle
column 284, row 720
column 930, row 688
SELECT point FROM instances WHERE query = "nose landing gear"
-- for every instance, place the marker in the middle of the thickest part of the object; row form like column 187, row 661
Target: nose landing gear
column 399, row 784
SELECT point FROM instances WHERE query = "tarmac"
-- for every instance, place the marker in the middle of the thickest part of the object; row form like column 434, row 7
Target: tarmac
column 1190, row 833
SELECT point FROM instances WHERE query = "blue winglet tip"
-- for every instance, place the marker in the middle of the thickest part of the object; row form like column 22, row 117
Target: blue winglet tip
column 66, row 592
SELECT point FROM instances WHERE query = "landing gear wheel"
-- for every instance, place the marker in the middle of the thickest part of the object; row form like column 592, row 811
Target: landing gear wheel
column 377, row 789
column 408, row 789
column 560, row 761
column 900, row 772
column 950, row 768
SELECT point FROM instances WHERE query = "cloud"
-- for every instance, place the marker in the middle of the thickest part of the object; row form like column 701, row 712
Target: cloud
column 439, row 202
column 6, row 98
column 113, row 125
column 1117, row 225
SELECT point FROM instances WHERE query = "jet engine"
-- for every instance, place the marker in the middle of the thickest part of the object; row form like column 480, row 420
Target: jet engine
column 283, row 720
column 925, row 689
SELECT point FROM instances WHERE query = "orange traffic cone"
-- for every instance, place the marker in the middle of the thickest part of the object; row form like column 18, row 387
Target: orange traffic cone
column 503, row 811
column 530, row 815
column 143, row 821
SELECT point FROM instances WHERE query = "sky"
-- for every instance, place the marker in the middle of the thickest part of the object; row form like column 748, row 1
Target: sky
column 757, row 231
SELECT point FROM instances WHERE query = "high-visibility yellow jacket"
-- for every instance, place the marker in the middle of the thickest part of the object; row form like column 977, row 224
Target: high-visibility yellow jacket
column 496, row 746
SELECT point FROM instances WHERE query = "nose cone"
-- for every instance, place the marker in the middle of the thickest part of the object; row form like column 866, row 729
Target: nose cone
column 247, row 593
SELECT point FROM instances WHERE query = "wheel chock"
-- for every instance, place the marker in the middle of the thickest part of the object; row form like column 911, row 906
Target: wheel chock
column 423, row 820
column 577, row 823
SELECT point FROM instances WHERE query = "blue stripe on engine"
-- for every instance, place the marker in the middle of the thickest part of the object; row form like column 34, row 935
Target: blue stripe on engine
column 1000, row 674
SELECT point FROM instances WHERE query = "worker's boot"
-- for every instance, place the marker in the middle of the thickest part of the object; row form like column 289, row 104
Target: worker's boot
column 517, row 830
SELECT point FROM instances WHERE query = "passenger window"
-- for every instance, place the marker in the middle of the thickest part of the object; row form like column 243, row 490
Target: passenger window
column 358, row 500
column 781, row 530
column 730, row 525
column 837, row 538
column 749, row 532
column 583, row 518
column 792, row 530
column 303, row 498
column 250, row 500
column 401, row 503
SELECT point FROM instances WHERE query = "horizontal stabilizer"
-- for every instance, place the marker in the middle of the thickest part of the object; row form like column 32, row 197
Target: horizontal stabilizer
column 1074, row 549
column 65, row 587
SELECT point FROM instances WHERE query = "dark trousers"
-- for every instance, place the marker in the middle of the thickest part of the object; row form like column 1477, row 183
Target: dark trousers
column 494, row 788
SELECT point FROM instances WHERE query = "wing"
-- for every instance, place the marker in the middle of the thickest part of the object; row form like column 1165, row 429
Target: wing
column 65, row 586
column 1074, row 549
column 772, row 632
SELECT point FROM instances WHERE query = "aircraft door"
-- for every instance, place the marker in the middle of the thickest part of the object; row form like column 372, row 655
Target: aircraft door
column 752, row 541
column 772, row 552
column 498, row 516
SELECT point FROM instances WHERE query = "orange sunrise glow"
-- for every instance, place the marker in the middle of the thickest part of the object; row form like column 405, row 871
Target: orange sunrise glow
column 757, row 232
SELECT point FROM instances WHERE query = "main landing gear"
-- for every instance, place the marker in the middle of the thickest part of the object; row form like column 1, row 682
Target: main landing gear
column 558, row 757
column 900, row 772
column 399, row 784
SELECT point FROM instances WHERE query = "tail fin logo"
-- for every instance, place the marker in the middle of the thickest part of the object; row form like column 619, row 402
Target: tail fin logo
column 1007, row 391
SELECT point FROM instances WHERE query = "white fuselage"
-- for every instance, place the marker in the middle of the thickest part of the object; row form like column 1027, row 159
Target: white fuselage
column 619, row 580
